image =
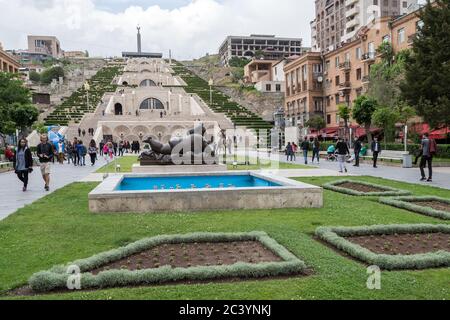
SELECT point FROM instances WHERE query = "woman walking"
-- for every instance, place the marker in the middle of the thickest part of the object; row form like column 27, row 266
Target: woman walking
column 23, row 162
column 93, row 152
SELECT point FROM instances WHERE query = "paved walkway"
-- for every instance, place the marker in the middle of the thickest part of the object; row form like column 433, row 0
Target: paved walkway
column 11, row 188
column 441, row 176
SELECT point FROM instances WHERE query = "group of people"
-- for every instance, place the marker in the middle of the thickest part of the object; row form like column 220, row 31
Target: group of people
column 341, row 153
column 76, row 152
column 82, row 132
column 120, row 148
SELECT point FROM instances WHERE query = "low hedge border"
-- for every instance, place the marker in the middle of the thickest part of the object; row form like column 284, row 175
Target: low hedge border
column 335, row 236
column 56, row 277
column 334, row 186
column 408, row 204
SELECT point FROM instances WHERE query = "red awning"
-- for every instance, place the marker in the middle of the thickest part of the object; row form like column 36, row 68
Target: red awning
column 440, row 134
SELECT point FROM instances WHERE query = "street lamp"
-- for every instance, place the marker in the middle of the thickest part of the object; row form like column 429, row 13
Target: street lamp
column 87, row 87
column 210, row 83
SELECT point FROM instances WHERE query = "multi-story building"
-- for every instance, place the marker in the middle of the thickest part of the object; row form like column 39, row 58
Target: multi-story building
column 7, row 62
column 273, row 48
column 346, row 70
column 45, row 45
column 338, row 21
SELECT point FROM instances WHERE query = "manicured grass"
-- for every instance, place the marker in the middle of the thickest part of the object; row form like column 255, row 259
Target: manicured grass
column 126, row 164
column 59, row 229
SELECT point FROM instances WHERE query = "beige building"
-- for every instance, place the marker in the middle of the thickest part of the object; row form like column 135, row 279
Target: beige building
column 338, row 21
column 74, row 54
column 345, row 71
column 45, row 45
column 7, row 62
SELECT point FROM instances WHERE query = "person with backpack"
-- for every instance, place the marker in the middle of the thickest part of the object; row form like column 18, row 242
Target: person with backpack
column 46, row 153
column 82, row 151
column 93, row 152
column 357, row 149
column 342, row 151
column 316, row 150
column 23, row 163
column 429, row 149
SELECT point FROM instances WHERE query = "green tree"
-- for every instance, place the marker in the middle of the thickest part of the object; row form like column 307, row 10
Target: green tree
column 386, row 118
column 35, row 77
column 237, row 62
column 52, row 73
column 363, row 109
column 40, row 127
column 16, row 110
column 259, row 54
column 316, row 122
column 345, row 113
column 427, row 78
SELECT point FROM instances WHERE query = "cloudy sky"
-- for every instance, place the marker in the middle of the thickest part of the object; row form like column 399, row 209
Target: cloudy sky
column 191, row 28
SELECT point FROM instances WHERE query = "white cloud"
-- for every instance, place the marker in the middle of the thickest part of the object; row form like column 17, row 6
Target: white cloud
column 190, row 30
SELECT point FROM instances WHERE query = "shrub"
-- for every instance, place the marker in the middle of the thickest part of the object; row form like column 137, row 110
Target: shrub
column 388, row 191
column 408, row 204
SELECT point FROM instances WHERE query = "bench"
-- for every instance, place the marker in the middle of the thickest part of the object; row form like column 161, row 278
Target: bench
column 6, row 166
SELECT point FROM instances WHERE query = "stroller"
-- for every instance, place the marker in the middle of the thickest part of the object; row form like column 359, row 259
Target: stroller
column 331, row 154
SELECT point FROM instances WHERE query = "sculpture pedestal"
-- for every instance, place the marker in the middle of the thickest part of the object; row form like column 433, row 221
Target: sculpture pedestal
column 137, row 168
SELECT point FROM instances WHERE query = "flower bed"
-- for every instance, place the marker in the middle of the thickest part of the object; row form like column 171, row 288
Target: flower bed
column 95, row 273
column 423, row 205
column 360, row 188
column 346, row 240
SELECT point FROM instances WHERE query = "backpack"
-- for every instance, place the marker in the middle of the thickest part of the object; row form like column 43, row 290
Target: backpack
column 433, row 147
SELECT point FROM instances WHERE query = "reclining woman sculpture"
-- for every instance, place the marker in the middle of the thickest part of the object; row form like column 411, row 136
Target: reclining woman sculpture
column 190, row 150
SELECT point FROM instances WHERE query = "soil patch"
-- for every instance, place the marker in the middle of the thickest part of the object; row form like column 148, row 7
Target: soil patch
column 404, row 244
column 434, row 204
column 188, row 255
column 360, row 187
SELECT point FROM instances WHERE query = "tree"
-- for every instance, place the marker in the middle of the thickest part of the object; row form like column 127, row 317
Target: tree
column 238, row 62
column 427, row 78
column 35, row 77
column 344, row 113
column 16, row 110
column 52, row 73
column 386, row 118
column 259, row 54
column 316, row 122
column 363, row 109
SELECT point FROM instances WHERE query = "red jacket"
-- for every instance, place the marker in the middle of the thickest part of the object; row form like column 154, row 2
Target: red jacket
column 9, row 154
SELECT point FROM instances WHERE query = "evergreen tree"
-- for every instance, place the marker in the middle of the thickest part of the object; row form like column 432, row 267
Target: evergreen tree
column 427, row 79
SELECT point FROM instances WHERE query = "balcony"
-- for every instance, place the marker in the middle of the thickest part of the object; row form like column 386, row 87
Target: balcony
column 365, row 79
column 346, row 66
column 350, row 2
column 345, row 86
column 368, row 57
column 317, row 75
column 353, row 23
column 411, row 38
column 352, row 12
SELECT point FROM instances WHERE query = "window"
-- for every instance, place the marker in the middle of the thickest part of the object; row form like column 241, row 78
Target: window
column 148, row 83
column 328, row 118
column 337, row 98
column 401, row 36
column 387, row 38
column 358, row 53
column 405, row 4
column 337, row 81
column 268, row 87
column 336, row 62
column 151, row 104
column 371, row 48
column 347, row 57
column 419, row 25
column 278, row 87
column 358, row 74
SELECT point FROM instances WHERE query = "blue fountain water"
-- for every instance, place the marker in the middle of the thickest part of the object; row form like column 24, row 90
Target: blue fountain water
column 193, row 182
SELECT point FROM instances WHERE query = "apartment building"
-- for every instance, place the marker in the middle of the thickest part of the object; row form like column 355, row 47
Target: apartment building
column 273, row 48
column 7, row 62
column 338, row 21
column 45, row 45
column 346, row 70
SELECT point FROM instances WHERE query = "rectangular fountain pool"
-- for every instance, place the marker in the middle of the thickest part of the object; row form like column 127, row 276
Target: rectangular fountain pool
column 178, row 192
column 193, row 182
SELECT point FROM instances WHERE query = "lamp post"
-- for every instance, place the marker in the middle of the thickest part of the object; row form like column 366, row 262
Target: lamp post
column 210, row 83
column 87, row 87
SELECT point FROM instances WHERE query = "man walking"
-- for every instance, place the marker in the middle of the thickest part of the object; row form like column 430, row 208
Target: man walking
column 342, row 150
column 316, row 150
column 429, row 148
column 376, row 150
column 289, row 152
column 305, row 148
column 357, row 149
column 79, row 132
column 45, row 153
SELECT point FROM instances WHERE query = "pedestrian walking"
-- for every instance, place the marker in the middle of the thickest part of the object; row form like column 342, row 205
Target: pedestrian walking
column 342, row 151
column 101, row 145
column 357, row 150
column 93, row 152
column 69, row 152
column 60, row 151
column 429, row 148
column 376, row 150
column 82, row 151
column 294, row 150
column 305, row 148
column 316, row 150
column 289, row 152
column 83, row 133
column 79, row 132
column 75, row 152
column 45, row 152
column 23, row 163
column 121, row 149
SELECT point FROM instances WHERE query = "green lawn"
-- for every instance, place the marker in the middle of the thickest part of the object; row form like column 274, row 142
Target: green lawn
column 126, row 164
column 59, row 229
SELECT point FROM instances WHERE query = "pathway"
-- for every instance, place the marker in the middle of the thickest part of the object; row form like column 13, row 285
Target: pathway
column 11, row 188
